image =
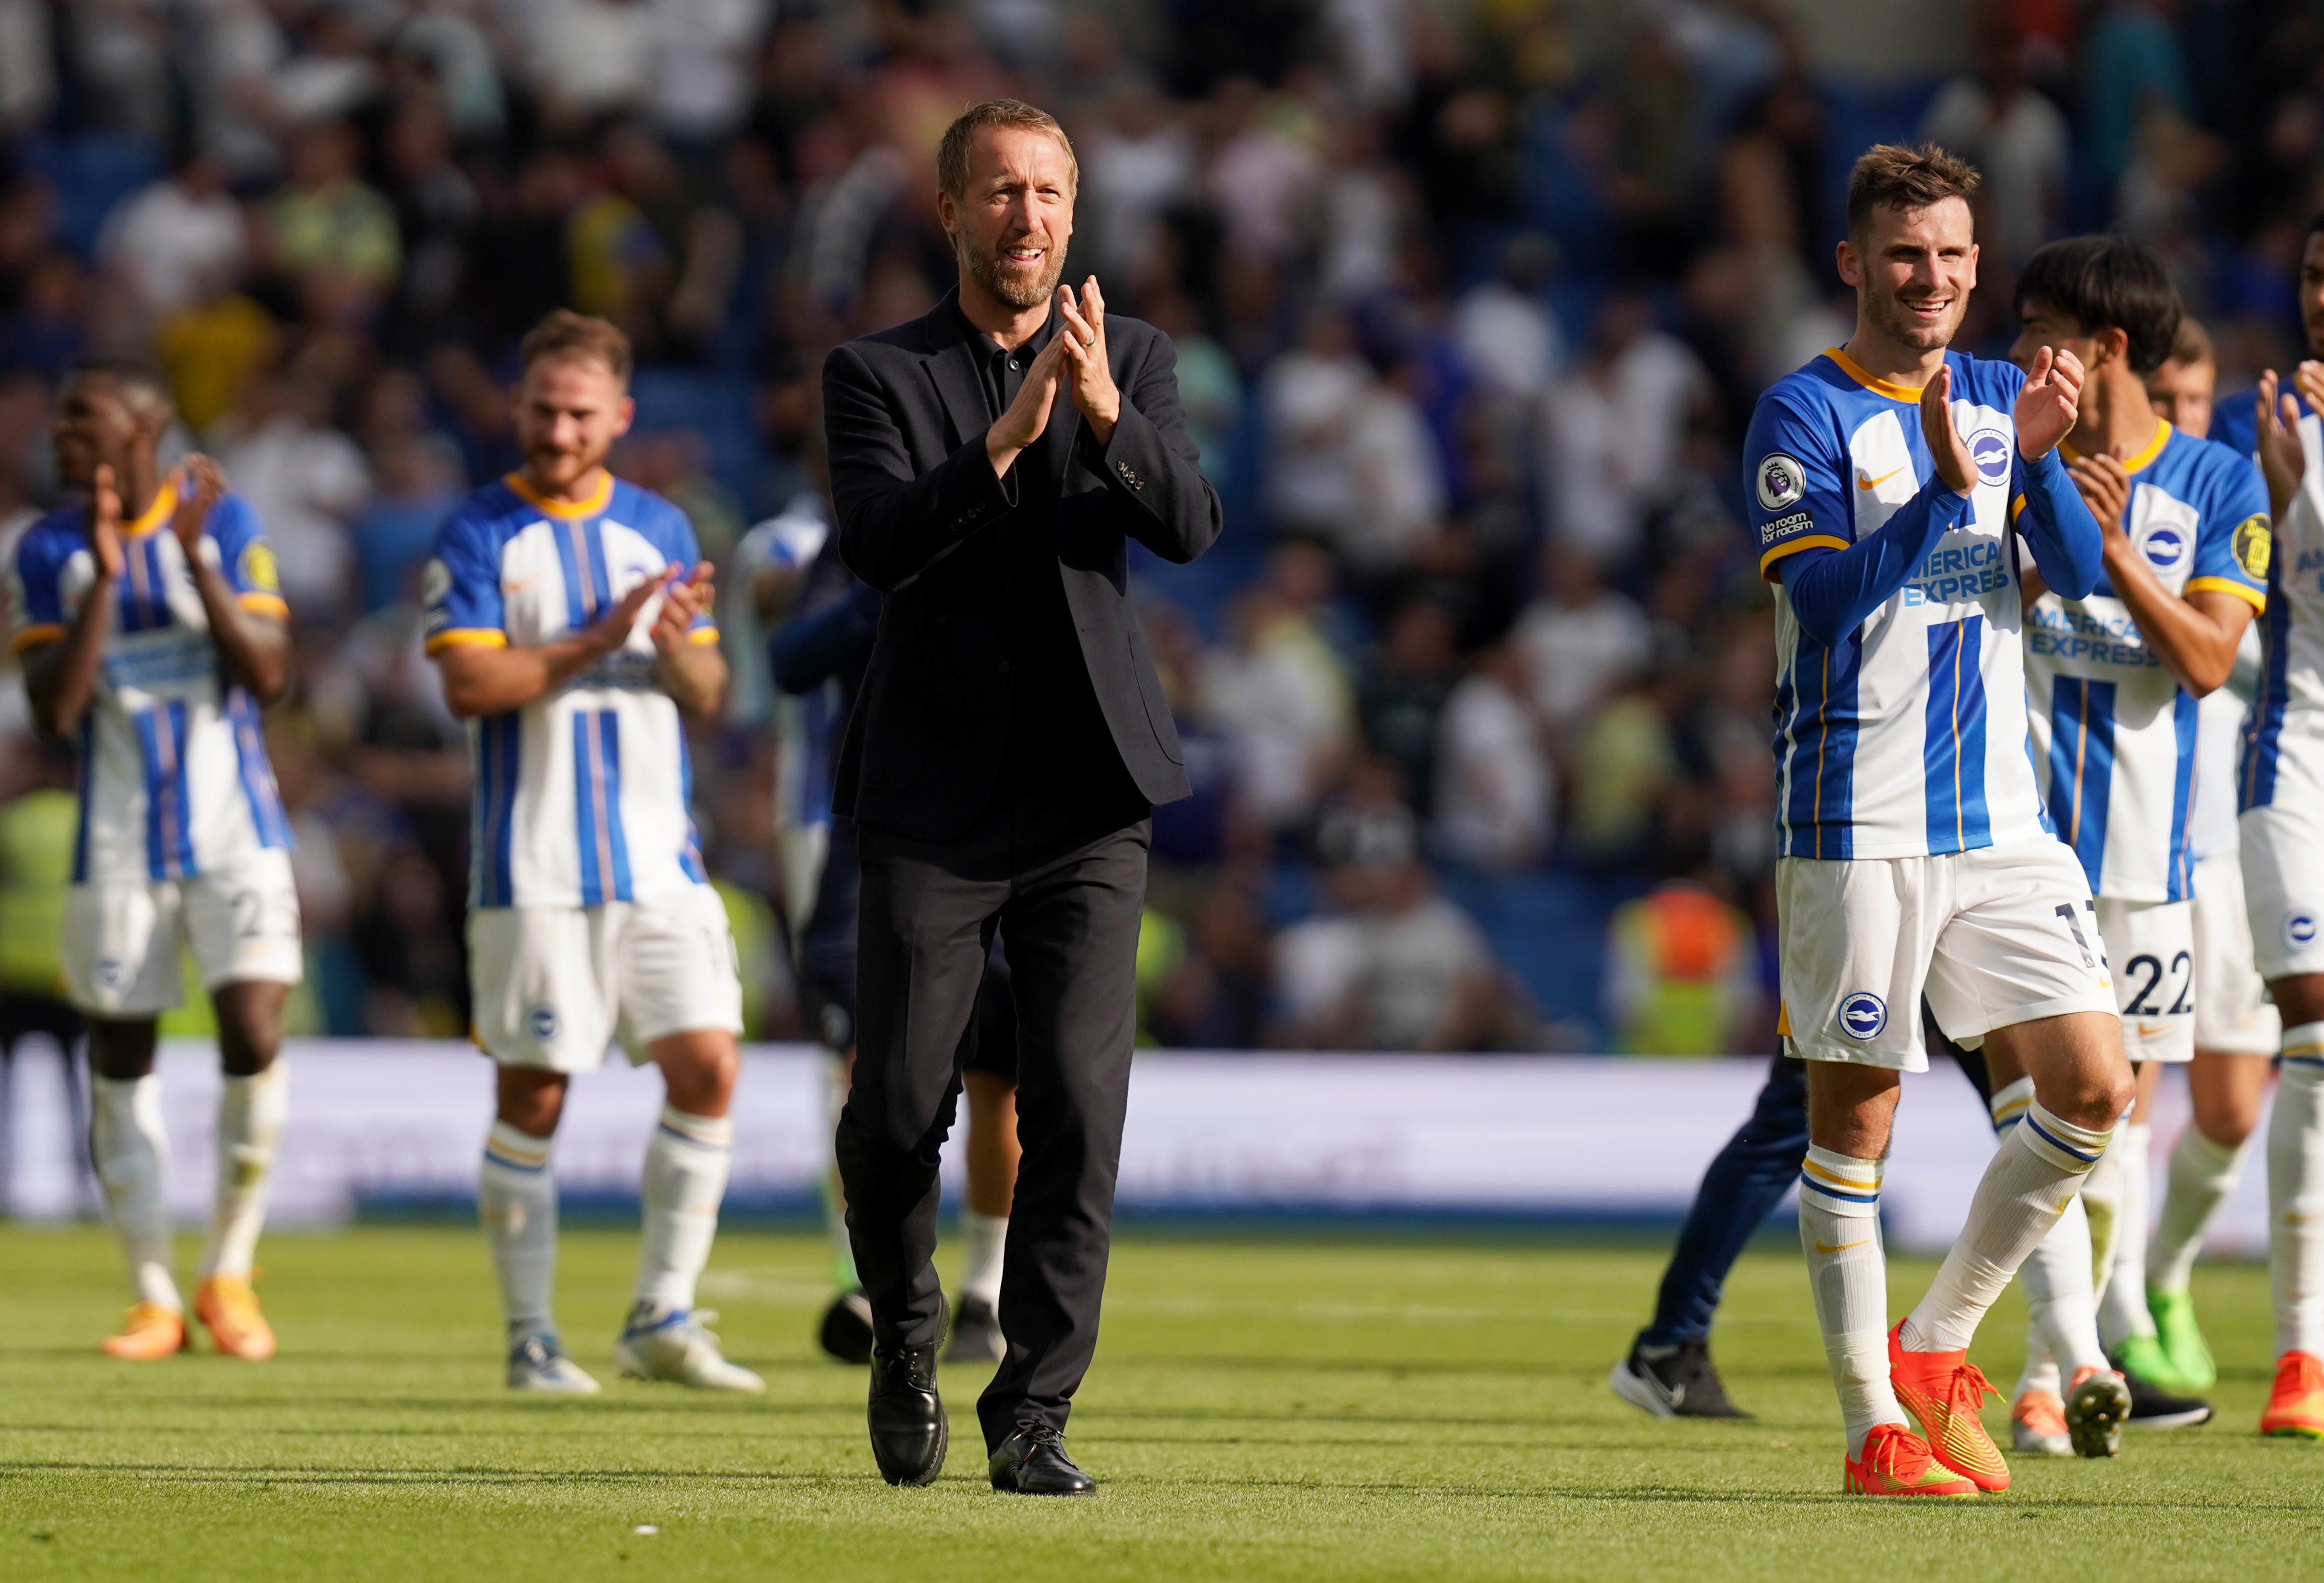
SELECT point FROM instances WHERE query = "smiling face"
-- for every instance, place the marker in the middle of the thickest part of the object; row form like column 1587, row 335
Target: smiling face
column 1013, row 216
column 569, row 411
column 1912, row 270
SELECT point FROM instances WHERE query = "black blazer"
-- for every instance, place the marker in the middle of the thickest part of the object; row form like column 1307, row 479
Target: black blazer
column 904, row 414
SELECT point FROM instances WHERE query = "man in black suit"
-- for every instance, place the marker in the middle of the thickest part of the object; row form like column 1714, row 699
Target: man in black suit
column 989, row 463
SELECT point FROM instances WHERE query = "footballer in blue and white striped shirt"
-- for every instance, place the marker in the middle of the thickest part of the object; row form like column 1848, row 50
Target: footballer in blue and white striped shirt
column 1916, row 859
column 569, row 615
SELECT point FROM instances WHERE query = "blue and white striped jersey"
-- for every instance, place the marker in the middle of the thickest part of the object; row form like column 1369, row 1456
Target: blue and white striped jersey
column 2114, row 731
column 174, row 777
column 2283, row 735
column 1906, row 738
column 582, row 797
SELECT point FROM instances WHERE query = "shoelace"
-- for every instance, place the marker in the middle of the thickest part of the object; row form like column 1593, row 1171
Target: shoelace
column 1041, row 1434
column 1969, row 1390
column 1896, row 1456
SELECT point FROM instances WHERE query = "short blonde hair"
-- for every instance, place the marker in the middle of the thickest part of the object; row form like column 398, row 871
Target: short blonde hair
column 952, row 154
column 1891, row 176
column 568, row 333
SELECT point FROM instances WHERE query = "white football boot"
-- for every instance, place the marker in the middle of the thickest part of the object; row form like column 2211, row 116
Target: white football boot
column 673, row 1345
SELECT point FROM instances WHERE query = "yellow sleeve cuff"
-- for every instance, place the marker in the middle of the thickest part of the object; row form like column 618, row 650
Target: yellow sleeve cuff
column 477, row 637
column 699, row 635
column 33, row 637
column 268, row 605
column 2258, row 596
column 1794, row 545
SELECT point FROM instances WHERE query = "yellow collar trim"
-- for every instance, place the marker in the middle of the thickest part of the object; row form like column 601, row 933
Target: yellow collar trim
column 1878, row 386
column 598, row 498
column 2145, row 455
column 164, row 506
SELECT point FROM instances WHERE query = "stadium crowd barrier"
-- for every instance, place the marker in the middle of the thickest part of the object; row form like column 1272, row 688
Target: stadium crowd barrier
column 384, row 1128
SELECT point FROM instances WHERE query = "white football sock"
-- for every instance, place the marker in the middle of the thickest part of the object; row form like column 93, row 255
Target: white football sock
column 2202, row 1174
column 685, row 1179
column 2034, row 1174
column 250, row 1117
column 2041, row 1371
column 2060, row 1307
column 516, row 1199
column 2295, row 1194
column 131, row 1154
column 2122, row 1279
column 1840, row 1233
column 984, row 1240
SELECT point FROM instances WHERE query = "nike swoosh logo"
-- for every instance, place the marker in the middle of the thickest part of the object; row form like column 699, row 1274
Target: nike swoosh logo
column 521, row 585
column 1864, row 482
column 1823, row 1247
column 2148, row 1030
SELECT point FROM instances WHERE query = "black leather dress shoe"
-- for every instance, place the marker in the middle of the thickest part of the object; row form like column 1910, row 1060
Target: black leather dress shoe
column 905, row 1416
column 1033, row 1461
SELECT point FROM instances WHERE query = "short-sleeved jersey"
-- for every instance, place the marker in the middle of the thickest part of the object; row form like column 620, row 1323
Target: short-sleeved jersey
column 2283, row 735
column 1907, row 737
column 174, row 777
column 2112, row 730
column 582, row 797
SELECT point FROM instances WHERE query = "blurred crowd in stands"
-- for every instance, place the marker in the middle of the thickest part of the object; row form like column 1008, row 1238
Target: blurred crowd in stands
column 1472, row 299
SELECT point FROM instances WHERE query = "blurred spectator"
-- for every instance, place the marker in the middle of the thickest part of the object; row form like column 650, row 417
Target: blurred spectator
column 2016, row 138
column 332, row 236
column 1403, row 693
column 1507, row 337
column 1495, row 794
column 175, row 244
column 1579, row 638
column 1279, row 694
column 1395, row 966
column 1681, row 974
column 307, row 482
column 1614, row 422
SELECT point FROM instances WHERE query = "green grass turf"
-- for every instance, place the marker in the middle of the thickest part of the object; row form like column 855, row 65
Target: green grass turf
column 1259, row 1410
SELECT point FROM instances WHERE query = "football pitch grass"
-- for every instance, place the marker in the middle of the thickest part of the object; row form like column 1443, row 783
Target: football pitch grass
column 1259, row 1408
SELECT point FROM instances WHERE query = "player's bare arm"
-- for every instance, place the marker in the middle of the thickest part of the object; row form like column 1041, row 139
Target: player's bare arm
column 482, row 680
column 253, row 646
column 2194, row 634
column 60, row 677
column 686, row 659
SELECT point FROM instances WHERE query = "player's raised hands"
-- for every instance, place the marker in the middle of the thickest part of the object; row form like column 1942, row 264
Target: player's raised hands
column 2308, row 379
column 1947, row 450
column 2283, row 460
column 2050, row 403
column 2105, row 487
column 204, row 486
column 683, row 600
column 104, row 524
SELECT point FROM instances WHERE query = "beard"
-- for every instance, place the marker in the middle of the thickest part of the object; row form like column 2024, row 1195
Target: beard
column 1906, row 329
column 1018, row 288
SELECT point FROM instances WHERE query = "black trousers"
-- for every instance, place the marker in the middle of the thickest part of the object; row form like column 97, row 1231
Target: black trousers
column 1069, row 929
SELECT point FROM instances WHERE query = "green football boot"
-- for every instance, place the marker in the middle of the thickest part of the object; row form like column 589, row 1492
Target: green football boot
column 2144, row 1357
column 2182, row 1339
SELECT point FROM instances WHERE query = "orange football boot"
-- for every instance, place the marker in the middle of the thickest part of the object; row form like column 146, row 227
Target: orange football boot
column 1897, row 1462
column 148, row 1332
column 2296, row 1405
column 2037, row 1425
column 1944, row 1390
column 226, row 1305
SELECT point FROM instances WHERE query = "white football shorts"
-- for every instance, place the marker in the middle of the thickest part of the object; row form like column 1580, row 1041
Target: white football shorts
column 2282, row 851
column 1993, row 937
column 555, row 986
column 2233, row 1013
column 2150, row 949
column 124, row 939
